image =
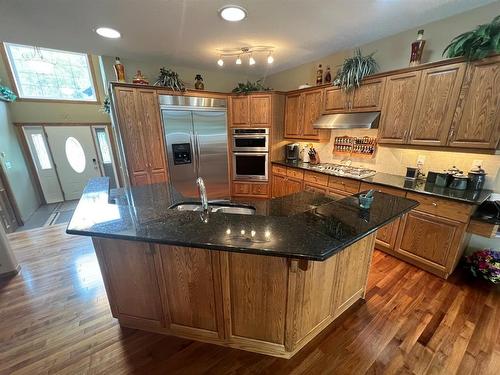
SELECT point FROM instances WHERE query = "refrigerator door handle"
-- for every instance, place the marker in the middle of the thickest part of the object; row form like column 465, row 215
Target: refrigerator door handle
column 195, row 157
column 198, row 152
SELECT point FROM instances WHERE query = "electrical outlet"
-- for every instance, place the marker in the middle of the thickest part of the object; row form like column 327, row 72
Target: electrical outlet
column 420, row 160
column 477, row 163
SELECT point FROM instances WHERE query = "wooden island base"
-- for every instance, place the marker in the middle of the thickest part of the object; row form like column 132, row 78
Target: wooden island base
column 263, row 304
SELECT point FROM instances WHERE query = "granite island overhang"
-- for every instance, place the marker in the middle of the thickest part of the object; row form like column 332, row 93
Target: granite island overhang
column 267, row 283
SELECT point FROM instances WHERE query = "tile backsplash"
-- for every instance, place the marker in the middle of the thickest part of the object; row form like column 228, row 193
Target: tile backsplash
column 394, row 160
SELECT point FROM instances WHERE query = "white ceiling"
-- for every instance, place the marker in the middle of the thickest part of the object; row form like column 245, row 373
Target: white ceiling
column 188, row 32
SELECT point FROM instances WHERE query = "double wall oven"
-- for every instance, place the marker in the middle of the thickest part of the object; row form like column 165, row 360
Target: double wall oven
column 250, row 154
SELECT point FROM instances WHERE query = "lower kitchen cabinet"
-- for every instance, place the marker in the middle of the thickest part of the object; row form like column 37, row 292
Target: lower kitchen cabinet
column 431, row 242
column 283, row 185
column 314, row 188
column 124, row 265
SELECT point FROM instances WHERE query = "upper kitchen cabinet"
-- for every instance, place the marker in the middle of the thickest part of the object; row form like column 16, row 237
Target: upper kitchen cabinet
column 302, row 109
column 253, row 110
column 476, row 123
column 437, row 98
column 140, row 132
column 400, row 97
column 366, row 98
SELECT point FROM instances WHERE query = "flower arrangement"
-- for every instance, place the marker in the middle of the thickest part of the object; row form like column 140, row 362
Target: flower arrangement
column 169, row 78
column 7, row 94
column 106, row 105
column 485, row 263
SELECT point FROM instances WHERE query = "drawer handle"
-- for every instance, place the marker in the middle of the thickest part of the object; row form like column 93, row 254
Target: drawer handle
column 434, row 204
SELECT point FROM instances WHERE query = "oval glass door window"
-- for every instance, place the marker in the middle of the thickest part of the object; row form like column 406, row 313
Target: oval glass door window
column 75, row 155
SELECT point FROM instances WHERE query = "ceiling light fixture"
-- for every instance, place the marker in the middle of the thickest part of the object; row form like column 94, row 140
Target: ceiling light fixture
column 108, row 32
column 239, row 53
column 270, row 58
column 233, row 13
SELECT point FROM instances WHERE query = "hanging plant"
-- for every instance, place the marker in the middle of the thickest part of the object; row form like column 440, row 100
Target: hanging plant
column 7, row 94
column 476, row 44
column 354, row 69
column 169, row 78
column 106, row 105
column 245, row 88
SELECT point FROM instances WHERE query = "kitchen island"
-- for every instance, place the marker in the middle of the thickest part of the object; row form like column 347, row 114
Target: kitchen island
column 267, row 283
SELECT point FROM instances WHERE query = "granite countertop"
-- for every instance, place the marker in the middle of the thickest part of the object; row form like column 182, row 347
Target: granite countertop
column 303, row 225
column 420, row 186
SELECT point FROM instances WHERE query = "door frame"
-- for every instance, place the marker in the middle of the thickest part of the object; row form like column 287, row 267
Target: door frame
column 31, row 165
column 98, row 150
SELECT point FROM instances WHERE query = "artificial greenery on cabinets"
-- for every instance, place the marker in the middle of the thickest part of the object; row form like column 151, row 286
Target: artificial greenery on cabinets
column 354, row 69
column 245, row 88
column 476, row 44
column 7, row 94
column 169, row 78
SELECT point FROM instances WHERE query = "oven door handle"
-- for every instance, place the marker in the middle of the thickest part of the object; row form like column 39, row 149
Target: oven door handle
column 263, row 136
column 251, row 153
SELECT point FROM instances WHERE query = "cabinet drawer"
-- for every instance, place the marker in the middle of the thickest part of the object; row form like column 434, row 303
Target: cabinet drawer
column 442, row 207
column 295, row 173
column 343, row 184
column 241, row 188
column 279, row 169
column 314, row 188
column 334, row 193
column 383, row 189
column 316, row 178
column 259, row 189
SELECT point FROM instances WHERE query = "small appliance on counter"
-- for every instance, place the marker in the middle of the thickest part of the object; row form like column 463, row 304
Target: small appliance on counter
column 414, row 173
column 477, row 178
column 292, row 152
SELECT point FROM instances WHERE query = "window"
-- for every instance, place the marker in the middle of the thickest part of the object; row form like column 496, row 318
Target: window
column 41, row 73
column 75, row 155
column 102, row 140
column 41, row 151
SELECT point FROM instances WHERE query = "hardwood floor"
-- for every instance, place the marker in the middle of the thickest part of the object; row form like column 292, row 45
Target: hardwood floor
column 54, row 318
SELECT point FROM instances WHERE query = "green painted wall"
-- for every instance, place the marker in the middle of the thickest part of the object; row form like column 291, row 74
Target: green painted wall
column 15, row 166
column 392, row 52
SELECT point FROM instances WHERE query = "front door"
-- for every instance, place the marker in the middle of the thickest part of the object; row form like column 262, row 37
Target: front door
column 75, row 157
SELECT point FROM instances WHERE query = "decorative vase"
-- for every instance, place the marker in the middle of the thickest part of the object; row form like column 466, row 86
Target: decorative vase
column 119, row 70
column 140, row 79
column 319, row 75
column 328, row 75
column 198, row 83
column 417, row 48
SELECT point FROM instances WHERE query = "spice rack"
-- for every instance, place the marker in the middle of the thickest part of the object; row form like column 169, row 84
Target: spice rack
column 355, row 146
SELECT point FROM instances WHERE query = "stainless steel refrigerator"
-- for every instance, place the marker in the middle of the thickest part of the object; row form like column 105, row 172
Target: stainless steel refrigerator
column 196, row 141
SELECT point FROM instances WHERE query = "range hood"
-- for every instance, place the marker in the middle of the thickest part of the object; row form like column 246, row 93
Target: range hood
column 359, row 120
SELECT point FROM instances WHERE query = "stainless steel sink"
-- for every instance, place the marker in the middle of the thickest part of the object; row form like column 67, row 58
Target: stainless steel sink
column 221, row 208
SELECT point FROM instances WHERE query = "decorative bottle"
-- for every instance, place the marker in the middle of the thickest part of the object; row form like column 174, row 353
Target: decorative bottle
column 319, row 75
column 119, row 70
column 417, row 47
column 328, row 75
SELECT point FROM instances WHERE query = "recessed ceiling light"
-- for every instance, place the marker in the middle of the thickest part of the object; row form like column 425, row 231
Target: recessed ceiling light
column 233, row 13
column 108, row 32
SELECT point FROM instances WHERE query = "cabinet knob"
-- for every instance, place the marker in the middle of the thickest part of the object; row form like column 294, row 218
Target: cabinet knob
column 434, row 204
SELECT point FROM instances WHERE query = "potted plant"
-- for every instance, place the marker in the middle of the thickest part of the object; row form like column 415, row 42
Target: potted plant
column 485, row 263
column 7, row 94
column 169, row 78
column 354, row 69
column 476, row 44
column 245, row 88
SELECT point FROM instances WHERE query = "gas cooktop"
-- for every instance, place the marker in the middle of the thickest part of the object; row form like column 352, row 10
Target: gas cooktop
column 344, row 170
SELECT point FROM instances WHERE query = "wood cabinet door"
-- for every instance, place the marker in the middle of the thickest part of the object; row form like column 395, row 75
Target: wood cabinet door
column 336, row 100
column 260, row 110
column 130, row 275
column 400, row 96
column 279, row 186
column 431, row 240
column 293, row 115
column 436, row 102
column 239, row 111
column 293, row 186
column 368, row 97
column 476, row 123
column 7, row 216
column 313, row 105
column 131, row 134
column 152, row 131
column 192, row 290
